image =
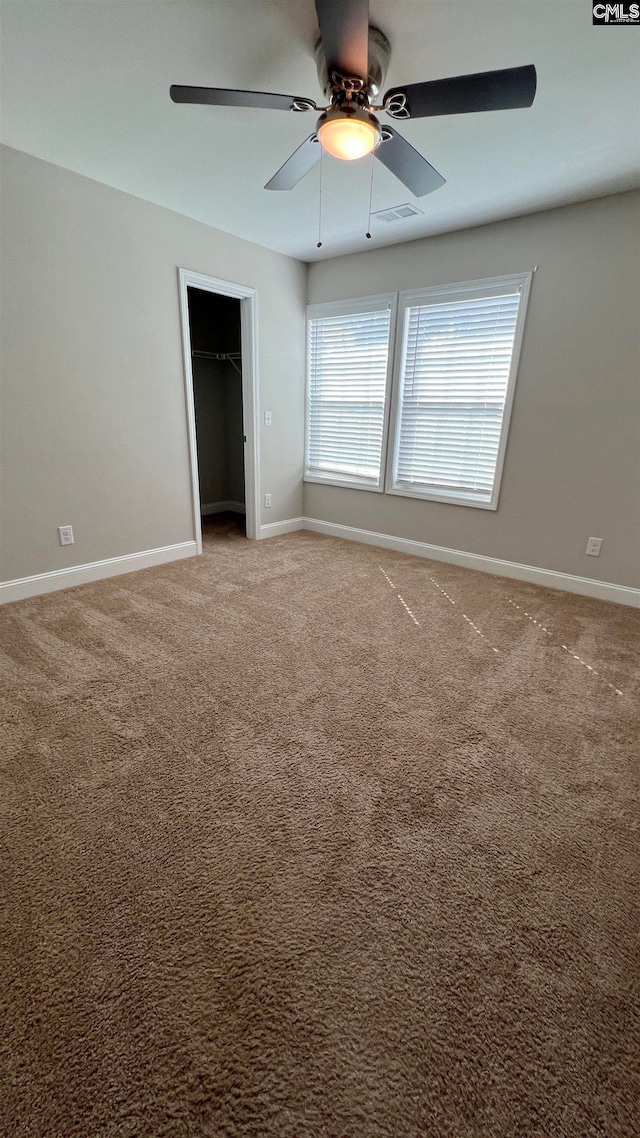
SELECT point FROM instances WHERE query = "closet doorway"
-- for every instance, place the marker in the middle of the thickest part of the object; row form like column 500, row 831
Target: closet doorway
column 218, row 329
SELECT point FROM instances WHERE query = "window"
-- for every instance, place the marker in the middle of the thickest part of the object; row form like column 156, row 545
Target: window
column 348, row 378
column 453, row 382
column 456, row 373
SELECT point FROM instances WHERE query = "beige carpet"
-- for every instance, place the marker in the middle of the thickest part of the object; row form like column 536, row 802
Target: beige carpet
column 305, row 838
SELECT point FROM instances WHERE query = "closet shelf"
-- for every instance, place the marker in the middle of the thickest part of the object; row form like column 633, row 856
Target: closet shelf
column 230, row 356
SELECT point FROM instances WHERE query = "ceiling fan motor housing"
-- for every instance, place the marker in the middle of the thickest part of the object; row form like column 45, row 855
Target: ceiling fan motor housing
column 379, row 55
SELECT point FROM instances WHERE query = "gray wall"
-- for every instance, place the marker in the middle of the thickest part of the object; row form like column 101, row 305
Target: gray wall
column 572, row 466
column 93, row 421
column 93, row 414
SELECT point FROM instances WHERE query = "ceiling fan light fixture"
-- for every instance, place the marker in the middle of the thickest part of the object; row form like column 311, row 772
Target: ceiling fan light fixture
column 348, row 132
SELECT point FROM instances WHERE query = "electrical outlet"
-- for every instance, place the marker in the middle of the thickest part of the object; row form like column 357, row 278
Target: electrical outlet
column 66, row 535
column 594, row 545
column 268, row 418
column 267, row 500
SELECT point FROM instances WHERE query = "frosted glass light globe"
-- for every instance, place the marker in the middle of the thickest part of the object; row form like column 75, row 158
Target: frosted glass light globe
column 348, row 134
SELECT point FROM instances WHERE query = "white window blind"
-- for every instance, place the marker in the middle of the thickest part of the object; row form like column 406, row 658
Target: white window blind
column 347, row 383
column 456, row 375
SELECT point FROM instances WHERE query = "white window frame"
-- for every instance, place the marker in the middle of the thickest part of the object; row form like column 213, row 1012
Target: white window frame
column 352, row 307
column 441, row 294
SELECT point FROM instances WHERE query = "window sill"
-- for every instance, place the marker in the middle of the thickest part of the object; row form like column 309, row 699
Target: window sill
column 345, row 483
column 444, row 498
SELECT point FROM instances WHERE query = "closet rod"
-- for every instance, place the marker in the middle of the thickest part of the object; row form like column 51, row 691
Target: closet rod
column 231, row 356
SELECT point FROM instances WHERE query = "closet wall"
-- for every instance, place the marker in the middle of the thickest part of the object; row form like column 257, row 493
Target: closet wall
column 217, row 387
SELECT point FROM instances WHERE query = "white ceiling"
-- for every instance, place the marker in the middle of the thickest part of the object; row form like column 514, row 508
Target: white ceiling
column 85, row 84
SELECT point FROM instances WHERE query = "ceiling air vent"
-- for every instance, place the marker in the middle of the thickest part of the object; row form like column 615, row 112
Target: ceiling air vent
column 398, row 213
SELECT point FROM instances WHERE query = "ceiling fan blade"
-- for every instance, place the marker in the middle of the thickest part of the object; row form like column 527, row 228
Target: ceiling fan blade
column 223, row 97
column 486, row 91
column 344, row 27
column 410, row 167
column 297, row 165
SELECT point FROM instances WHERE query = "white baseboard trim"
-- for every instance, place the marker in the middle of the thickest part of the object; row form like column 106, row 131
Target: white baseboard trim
column 24, row 587
column 585, row 586
column 222, row 508
column 274, row 529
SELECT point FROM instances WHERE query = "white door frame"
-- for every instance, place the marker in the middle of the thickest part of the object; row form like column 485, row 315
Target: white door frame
column 249, row 343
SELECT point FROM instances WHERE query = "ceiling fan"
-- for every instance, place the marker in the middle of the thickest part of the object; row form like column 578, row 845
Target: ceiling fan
column 352, row 59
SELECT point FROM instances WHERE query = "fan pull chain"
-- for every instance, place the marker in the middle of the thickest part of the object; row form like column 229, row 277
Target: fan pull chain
column 368, row 235
column 319, row 245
